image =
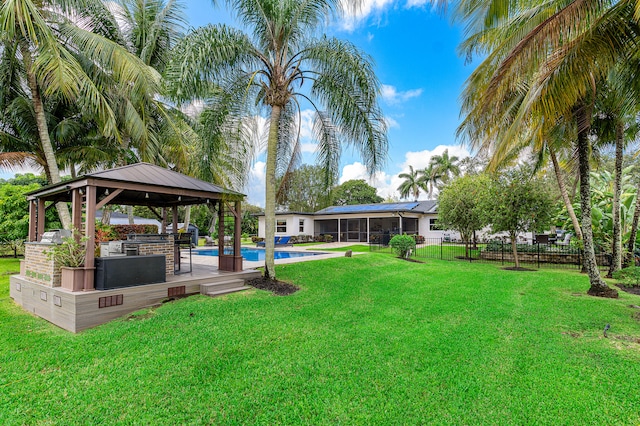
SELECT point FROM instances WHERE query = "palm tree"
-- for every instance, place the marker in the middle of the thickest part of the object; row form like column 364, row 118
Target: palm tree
column 541, row 70
column 444, row 166
column 429, row 179
column 58, row 58
column 269, row 67
column 411, row 185
column 616, row 116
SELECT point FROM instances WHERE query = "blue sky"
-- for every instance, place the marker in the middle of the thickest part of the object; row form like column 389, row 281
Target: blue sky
column 416, row 60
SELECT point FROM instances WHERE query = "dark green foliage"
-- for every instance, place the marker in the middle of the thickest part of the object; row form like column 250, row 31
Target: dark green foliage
column 355, row 191
column 25, row 179
column 305, row 190
column 522, row 248
column 518, row 202
column 402, row 244
column 629, row 277
column 461, row 205
column 14, row 211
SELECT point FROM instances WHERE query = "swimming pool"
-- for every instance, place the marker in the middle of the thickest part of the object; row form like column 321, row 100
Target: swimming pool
column 256, row 254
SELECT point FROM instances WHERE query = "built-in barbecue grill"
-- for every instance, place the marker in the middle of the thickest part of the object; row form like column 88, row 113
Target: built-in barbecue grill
column 55, row 236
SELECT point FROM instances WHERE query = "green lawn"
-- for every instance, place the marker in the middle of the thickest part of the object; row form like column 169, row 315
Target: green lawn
column 367, row 340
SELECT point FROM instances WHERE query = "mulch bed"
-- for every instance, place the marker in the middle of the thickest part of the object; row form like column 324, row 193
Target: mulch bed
column 521, row 269
column 632, row 290
column 410, row 260
column 278, row 288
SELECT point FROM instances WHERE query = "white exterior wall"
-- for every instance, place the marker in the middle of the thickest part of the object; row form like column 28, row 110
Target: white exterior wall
column 293, row 225
column 425, row 231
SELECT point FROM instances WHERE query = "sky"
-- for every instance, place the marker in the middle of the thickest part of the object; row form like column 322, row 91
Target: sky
column 414, row 49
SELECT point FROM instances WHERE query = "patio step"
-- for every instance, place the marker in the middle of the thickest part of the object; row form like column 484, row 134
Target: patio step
column 227, row 291
column 222, row 287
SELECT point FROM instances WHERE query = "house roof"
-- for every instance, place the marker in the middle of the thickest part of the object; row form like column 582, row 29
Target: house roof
column 141, row 184
column 123, row 219
column 412, row 207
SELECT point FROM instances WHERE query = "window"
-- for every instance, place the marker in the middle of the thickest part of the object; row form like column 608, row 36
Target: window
column 433, row 225
column 301, row 228
column 281, row 226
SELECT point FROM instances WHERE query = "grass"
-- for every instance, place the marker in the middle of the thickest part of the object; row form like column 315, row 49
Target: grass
column 367, row 340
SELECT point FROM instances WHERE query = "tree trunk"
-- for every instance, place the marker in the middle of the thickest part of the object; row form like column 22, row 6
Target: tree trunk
column 270, row 194
column 43, row 132
column 106, row 214
column 634, row 232
column 214, row 219
column 514, row 249
column 130, row 216
column 598, row 286
column 565, row 194
column 187, row 218
column 616, row 245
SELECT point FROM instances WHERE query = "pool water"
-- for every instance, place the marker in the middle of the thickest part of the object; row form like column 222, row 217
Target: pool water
column 256, row 254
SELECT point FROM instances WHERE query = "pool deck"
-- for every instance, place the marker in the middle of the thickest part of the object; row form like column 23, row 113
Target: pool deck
column 213, row 260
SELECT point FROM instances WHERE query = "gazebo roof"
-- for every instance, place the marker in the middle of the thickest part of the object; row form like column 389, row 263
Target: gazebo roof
column 141, row 184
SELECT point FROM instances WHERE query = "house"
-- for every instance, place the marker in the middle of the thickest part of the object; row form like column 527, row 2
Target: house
column 362, row 222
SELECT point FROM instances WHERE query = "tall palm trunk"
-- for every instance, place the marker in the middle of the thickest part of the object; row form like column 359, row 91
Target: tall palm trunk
column 598, row 286
column 43, row 131
column 616, row 245
column 634, row 231
column 270, row 193
column 565, row 194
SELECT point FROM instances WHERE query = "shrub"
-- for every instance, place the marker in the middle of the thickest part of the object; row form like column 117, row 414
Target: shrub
column 629, row 277
column 122, row 231
column 71, row 252
column 328, row 238
column 497, row 246
column 402, row 245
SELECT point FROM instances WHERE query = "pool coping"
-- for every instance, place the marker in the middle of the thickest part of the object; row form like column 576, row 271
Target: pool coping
column 213, row 260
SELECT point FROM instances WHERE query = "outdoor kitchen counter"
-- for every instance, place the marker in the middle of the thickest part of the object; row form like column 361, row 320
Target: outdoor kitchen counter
column 127, row 271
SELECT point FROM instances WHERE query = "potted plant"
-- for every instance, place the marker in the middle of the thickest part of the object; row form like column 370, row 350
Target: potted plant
column 70, row 255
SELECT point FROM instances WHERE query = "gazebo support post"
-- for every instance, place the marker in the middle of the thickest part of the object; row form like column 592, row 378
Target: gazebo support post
column 33, row 214
column 40, row 220
column 174, row 213
column 76, row 209
column 90, row 233
column 237, row 235
column 220, row 231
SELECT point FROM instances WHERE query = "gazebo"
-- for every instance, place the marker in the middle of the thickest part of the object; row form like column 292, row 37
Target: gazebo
column 139, row 184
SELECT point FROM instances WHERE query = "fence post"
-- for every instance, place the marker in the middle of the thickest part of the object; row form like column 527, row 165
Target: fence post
column 441, row 243
column 538, row 255
column 502, row 251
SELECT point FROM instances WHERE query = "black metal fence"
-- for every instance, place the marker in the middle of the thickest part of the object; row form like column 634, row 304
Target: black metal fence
column 530, row 255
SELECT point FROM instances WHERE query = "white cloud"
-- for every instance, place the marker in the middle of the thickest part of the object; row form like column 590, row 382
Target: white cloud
column 386, row 184
column 392, row 96
column 417, row 3
column 255, row 185
column 421, row 159
column 380, row 180
column 391, row 122
column 354, row 15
